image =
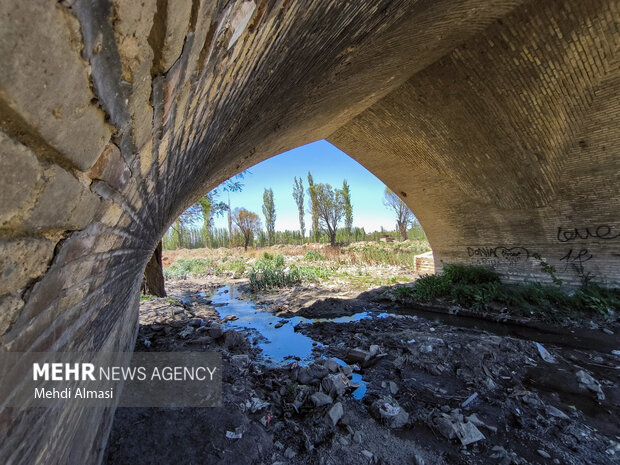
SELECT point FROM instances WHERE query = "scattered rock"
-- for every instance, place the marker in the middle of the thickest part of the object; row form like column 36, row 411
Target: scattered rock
column 241, row 360
column 186, row 331
column 388, row 412
column 335, row 385
column 215, row 330
column 332, row 365
column 335, row 413
column 320, row 398
column 543, row 453
column 453, row 427
column 289, row 453
column 586, row 381
column 358, row 356
column 233, row 339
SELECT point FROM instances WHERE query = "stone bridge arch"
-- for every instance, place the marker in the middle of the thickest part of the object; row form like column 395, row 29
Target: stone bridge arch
column 496, row 121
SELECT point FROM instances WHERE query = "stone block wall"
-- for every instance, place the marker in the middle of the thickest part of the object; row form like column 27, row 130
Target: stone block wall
column 495, row 120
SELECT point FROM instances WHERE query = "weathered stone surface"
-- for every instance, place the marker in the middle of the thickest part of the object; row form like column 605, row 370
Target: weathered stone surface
column 169, row 30
column 132, row 30
column 22, row 260
column 48, row 85
column 64, row 203
column 20, row 173
column 10, row 305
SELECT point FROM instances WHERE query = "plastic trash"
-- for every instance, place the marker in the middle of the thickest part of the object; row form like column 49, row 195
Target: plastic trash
column 544, row 353
column 231, row 435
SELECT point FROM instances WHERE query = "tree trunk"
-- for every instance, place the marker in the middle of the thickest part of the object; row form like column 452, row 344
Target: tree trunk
column 403, row 231
column 153, row 283
column 332, row 239
column 245, row 246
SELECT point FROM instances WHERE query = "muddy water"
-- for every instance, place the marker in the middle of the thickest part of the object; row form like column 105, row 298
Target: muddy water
column 276, row 337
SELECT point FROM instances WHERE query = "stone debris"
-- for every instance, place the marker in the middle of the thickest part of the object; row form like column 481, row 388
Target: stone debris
column 307, row 404
column 543, row 453
column 319, row 399
column 587, row 381
column 454, row 426
column 387, row 411
column 335, row 413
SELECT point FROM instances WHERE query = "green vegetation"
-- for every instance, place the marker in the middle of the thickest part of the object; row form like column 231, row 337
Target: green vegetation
column 272, row 272
column 388, row 254
column 313, row 256
column 478, row 288
column 189, row 266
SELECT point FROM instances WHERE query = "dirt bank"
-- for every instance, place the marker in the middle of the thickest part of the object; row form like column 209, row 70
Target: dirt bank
column 380, row 388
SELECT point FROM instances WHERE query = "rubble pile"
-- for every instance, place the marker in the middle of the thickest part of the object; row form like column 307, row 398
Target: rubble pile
column 389, row 390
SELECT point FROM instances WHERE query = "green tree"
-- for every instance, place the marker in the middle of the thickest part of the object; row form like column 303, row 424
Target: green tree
column 329, row 205
column 313, row 209
column 348, row 208
column 404, row 216
column 298, row 195
column 269, row 210
column 248, row 223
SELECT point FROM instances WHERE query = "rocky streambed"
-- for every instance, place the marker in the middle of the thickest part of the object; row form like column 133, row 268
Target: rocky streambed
column 354, row 382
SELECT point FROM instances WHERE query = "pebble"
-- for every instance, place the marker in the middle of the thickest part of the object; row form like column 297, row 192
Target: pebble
column 357, row 437
column 543, row 453
column 366, row 453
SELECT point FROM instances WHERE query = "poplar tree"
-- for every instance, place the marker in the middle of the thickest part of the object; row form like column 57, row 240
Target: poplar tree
column 298, row 195
column 269, row 210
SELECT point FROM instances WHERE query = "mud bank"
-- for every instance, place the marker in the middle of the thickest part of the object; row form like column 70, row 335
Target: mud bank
column 356, row 383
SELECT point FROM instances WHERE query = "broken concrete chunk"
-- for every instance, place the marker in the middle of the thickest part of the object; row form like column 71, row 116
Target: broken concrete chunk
column 335, row 385
column 332, row 365
column 320, row 398
column 358, row 356
column 586, row 381
column 388, row 412
column 451, row 427
column 335, row 413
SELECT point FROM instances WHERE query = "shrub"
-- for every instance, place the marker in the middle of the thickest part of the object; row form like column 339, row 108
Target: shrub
column 476, row 287
column 188, row 266
column 272, row 273
column 462, row 274
column 313, row 256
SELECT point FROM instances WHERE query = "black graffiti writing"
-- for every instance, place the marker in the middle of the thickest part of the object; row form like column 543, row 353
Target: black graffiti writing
column 498, row 254
column 481, row 251
column 603, row 232
column 576, row 258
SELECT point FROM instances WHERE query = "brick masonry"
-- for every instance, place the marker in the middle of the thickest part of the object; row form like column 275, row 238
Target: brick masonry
column 495, row 120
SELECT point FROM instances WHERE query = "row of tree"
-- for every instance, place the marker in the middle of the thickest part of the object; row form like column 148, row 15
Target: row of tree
column 330, row 208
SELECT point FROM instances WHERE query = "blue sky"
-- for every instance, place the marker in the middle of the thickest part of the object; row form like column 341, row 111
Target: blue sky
column 327, row 164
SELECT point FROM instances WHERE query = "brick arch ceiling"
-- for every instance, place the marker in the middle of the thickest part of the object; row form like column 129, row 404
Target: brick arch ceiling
column 496, row 120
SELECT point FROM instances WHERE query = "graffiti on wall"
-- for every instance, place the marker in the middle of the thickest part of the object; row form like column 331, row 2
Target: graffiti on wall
column 499, row 255
column 575, row 258
column 603, row 232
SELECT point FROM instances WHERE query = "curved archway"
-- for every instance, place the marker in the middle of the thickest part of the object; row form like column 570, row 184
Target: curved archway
column 495, row 120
